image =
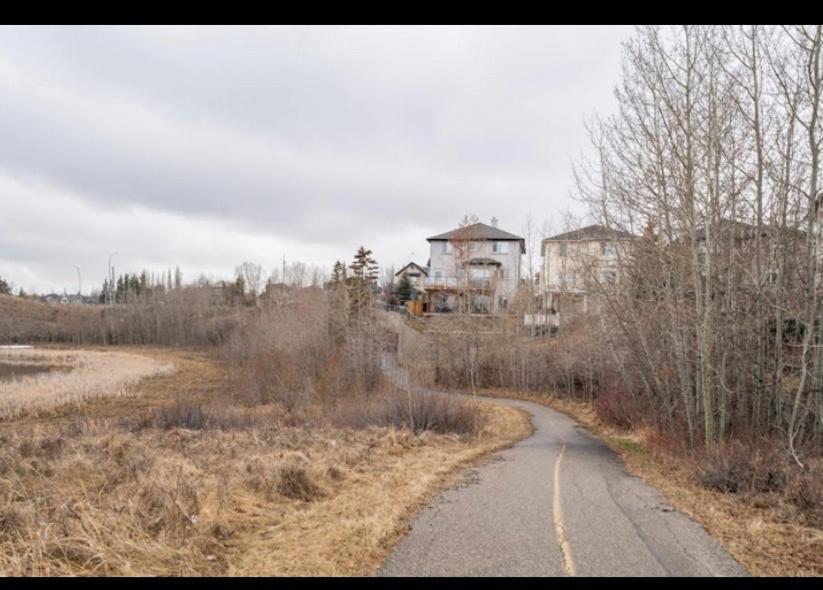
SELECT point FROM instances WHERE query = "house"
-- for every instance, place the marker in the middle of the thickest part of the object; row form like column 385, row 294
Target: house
column 733, row 248
column 474, row 268
column 575, row 262
column 65, row 299
column 416, row 274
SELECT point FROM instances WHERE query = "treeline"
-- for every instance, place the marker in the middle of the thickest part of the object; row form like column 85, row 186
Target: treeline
column 714, row 157
column 713, row 333
column 323, row 345
column 145, row 308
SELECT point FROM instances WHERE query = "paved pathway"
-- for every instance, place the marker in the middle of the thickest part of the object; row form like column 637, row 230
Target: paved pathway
column 558, row 503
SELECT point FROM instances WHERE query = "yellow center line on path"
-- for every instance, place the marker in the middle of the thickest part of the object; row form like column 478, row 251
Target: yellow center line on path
column 560, row 531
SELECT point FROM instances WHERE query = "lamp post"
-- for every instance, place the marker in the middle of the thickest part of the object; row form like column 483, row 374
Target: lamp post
column 79, row 281
column 111, row 279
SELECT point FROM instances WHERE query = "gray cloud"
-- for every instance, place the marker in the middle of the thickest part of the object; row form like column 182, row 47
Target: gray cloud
column 310, row 140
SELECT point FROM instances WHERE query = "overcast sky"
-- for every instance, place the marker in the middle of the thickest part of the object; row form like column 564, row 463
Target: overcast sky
column 205, row 147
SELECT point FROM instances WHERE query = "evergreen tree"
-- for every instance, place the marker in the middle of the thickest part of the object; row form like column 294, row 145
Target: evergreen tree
column 405, row 290
column 338, row 272
column 361, row 284
column 5, row 288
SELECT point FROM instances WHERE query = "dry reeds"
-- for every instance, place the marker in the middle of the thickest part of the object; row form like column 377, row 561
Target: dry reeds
column 91, row 375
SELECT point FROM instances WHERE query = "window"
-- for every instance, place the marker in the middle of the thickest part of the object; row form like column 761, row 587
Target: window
column 608, row 249
column 608, row 277
column 502, row 302
column 500, row 247
column 564, row 250
column 502, row 273
column 446, row 248
column 473, row 246
column 438, row 274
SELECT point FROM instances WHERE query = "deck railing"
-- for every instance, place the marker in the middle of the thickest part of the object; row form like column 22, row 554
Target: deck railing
column 458, row 282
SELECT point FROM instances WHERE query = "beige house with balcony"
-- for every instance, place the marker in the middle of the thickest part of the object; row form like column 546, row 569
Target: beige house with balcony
column 578, row 263
column 474, row 268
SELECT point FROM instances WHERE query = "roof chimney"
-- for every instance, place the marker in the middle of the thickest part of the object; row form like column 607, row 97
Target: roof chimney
column 494, row 221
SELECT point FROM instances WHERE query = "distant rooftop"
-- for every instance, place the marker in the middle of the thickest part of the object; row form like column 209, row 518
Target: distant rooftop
column 592, row 232
column 414, row 264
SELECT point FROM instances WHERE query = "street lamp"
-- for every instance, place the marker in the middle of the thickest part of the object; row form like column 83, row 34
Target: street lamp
column 79, row 281
column 111, row 278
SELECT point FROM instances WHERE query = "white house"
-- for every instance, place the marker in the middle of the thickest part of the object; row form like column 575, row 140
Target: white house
column 576, row 260
column 477, row 266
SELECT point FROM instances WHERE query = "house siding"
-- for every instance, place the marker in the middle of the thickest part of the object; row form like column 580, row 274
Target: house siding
column 510, row 264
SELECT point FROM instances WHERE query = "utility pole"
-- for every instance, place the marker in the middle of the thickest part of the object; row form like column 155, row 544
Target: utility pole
column 79, row 281
column 111, row 279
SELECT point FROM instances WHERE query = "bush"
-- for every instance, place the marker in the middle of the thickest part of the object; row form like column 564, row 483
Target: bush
column 740, row 468
column 615, row 406
column 762, row 471
column 191, row 415
column 294, row 482
column 417, row 411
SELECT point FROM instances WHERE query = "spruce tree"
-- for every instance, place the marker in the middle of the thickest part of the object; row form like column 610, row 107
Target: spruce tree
column 364, row 279
column 405, row 290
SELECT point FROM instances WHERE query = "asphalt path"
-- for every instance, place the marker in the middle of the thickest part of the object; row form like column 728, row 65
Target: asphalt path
column 558, row 503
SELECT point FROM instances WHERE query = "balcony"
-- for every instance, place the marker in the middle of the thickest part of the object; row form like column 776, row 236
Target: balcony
column 457, row 283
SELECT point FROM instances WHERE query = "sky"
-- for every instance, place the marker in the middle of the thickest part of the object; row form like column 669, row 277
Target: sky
column 203, row 147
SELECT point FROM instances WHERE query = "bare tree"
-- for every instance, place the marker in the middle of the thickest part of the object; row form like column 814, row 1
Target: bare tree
column 252, row 274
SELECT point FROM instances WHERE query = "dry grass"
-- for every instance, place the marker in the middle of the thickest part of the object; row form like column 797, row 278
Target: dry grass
column 764, row 536
column 117, row 487
column 90, row 374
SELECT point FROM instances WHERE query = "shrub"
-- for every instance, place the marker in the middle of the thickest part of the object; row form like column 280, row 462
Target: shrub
column 615, row 406
column 183, row 414
column 193, row 416
column 294, row 482
column 418, row 411
column 740, row 468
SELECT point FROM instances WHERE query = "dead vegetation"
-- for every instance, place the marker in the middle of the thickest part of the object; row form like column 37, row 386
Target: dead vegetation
column 175, row 481
column 89, row 374
column 184, row 317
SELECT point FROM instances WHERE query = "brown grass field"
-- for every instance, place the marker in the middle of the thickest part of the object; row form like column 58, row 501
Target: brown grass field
column 110, row 485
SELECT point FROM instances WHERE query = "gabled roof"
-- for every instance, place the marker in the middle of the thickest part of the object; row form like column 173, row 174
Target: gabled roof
column 480, row 231
column 414, row 264
column 592, row 232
